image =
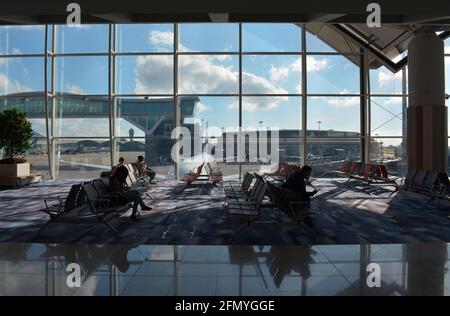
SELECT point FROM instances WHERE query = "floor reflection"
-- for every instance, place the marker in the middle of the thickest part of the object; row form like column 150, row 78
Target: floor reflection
column 40, row 269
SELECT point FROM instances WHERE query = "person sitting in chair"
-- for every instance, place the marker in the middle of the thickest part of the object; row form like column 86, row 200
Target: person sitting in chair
column 114, row 168
column 117, row 186
column 144, row 170
column 297, row 185
column 294, row 189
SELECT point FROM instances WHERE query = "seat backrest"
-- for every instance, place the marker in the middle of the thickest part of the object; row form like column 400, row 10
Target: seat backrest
column 199, row 169
column 282, row 170
column 362, row 169
column 246, row 181
column 430, row 181
column 289, row 171
column 374, row 170
column 91, row 194
column 353, row 167
column 255, row 189
column 277, row 197
column 71, row 201
column 384, row 172
column 419, row 179
column 345, row 166
column 261, row 194
column 208, row 169
column 100, row 187
column 367, row 170
column 357, row 168
column 409, row 180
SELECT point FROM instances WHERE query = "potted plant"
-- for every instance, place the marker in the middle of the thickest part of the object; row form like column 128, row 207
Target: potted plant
column 15, row 139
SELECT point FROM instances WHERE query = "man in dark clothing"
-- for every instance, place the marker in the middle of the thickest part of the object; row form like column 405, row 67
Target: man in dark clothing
column 294, row 189
column 117, row 186
column 296, row 184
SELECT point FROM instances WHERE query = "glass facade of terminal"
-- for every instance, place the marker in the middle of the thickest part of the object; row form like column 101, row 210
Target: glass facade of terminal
column 95, row 93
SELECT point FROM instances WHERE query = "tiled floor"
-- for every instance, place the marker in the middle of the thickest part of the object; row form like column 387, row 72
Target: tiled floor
column 343, row 214
column 39, row 269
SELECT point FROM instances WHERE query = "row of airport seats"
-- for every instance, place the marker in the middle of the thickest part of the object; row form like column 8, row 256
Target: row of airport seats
column 369, row 172
column 89, row 202
column 256, row 191
column 283, row 172
column 430, row 183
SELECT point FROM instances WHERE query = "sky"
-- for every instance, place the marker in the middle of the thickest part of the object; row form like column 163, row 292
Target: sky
column 206, row 74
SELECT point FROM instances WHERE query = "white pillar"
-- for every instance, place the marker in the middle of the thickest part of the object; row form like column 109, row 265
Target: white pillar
column 427, row 113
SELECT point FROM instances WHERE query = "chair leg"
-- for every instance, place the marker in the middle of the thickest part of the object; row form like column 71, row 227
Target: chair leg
column 110, row 227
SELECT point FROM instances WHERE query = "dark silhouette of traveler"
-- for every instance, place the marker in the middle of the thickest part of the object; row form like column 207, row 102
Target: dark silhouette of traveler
column 118, row 186
column 144, row 170
column 295, row 185
column 294, row 190
column 114, row 168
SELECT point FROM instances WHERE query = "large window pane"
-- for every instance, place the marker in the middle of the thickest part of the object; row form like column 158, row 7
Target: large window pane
column 332, row 74
column 389, row 152
column 82, row 38
column 213, row 115
column 333, row 116
column 271, row 74
column 212, row 118
column 207, row 37
column 37, row 155
column 289, row 150
column 82, row 158
column 18, row 75
column 82, row 75
column 387, row 116
column 211, row 74
column 383, row 81
column 23, row 39
column 272, row 113
column 138, row 116
column 149, row 74
column 78, row 116
column 326, row 155
column 141, row 38
column 271, row 37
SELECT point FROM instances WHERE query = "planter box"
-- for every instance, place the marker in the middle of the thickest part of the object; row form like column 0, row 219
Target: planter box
column 20, row 170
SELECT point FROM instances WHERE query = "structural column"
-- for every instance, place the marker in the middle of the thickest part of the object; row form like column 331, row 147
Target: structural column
column 427, row 140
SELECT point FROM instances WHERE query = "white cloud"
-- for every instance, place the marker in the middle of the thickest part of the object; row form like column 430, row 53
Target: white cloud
column 73, row 88
column 16, row 51
column 385, row 78
column 278, row 74
column 201, row 107
column 340, row 101
column 393, row 101
column 313, row 64
column 8, row 85
column 161, row 39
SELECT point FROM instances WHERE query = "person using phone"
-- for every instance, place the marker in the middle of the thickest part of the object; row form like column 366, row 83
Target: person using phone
column 296, row 183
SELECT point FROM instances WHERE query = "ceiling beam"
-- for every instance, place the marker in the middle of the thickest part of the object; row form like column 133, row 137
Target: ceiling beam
column 324, row 18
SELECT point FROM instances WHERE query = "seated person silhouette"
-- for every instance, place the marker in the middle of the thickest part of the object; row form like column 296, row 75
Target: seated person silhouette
column 117, row 186
column 144, row 170
column 294, row 189
column 114, row 168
